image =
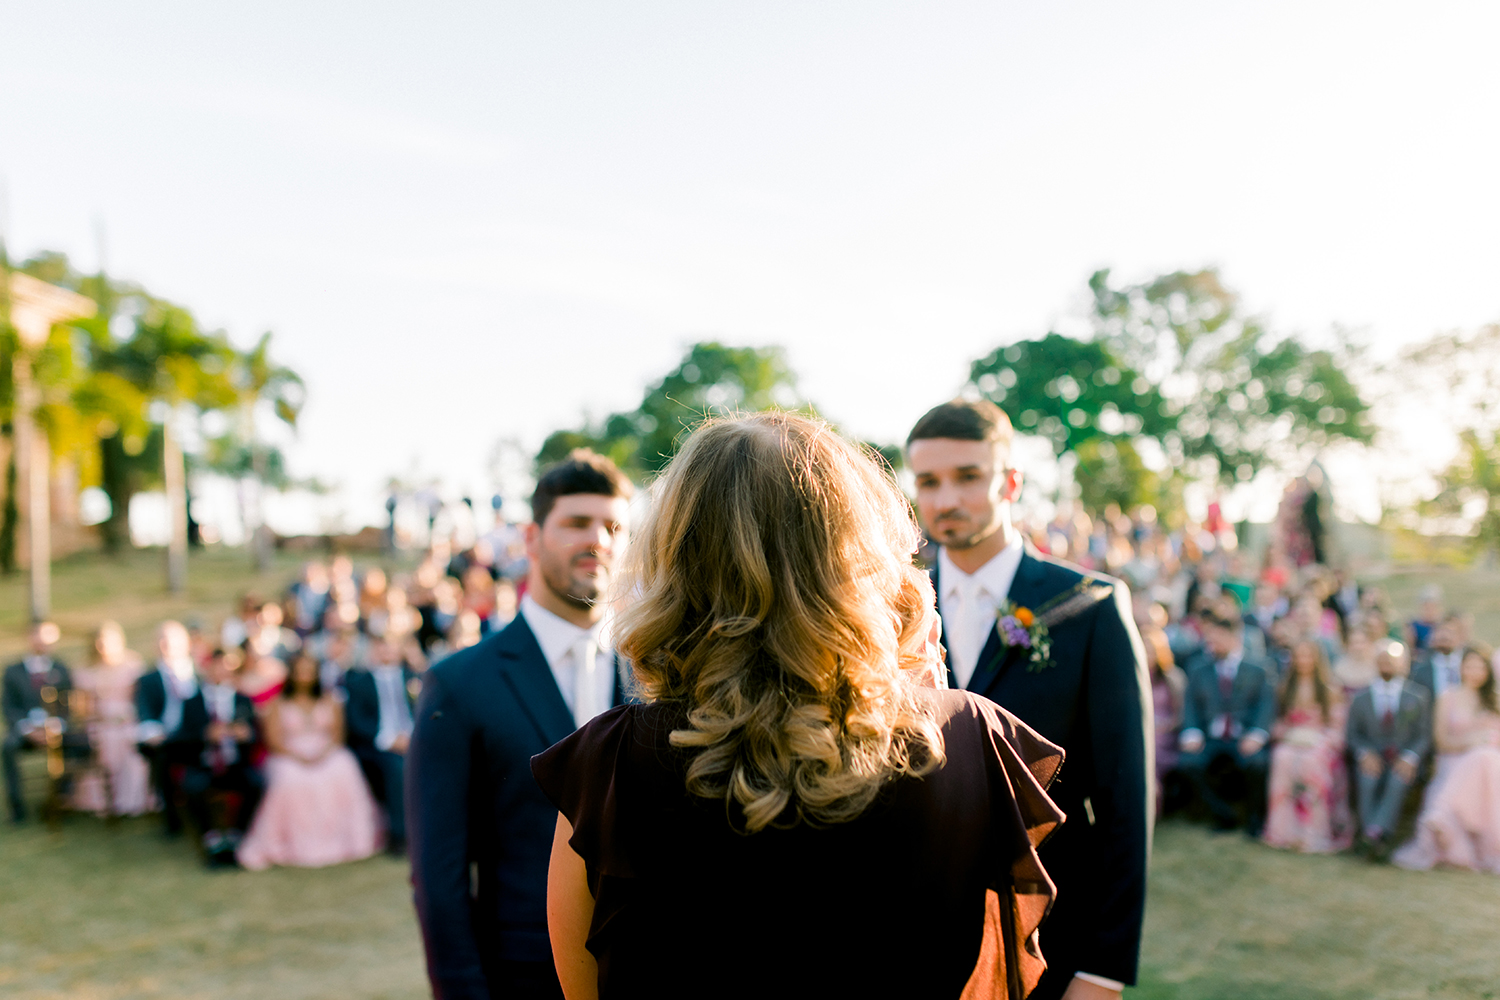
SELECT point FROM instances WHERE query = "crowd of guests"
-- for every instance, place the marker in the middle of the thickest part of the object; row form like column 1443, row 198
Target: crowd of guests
column 278, row 734
column 1292, row 703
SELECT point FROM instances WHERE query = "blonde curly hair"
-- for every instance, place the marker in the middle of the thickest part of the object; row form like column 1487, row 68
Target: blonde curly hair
column 773, row 599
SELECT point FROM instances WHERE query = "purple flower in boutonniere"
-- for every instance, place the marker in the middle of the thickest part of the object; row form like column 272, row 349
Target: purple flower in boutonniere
column 1020, row 628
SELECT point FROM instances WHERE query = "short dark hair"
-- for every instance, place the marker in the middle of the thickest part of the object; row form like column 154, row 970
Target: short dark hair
column 583, row 471
column 964, row 420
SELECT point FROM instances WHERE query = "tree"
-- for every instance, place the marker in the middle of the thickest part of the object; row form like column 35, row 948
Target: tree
column 1174, row 370
column 1470, row 488
column 258, row 381
column 712, row 380
column 1243, row 397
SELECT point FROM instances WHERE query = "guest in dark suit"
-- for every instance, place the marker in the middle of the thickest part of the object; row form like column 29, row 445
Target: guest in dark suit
column 1090, row 692
column 218, row 735
column 379, row 717
column 1437, row 668
column 27, row 709
column 160, row 695
column 1389, row 734
column 1227, row 718
column 481, row 830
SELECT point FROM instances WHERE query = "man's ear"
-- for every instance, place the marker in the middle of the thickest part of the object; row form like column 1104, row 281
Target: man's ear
column 531, row 534
column 1014, row 480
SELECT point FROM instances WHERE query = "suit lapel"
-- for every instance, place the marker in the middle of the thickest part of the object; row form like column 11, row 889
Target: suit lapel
column 525, row 669
column 997, row 658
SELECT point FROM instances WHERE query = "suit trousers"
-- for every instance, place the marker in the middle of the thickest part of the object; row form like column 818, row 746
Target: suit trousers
column 15, row 745
column 1209, row 768
column 386, row 774
column 1380, row 799
column 242, row 780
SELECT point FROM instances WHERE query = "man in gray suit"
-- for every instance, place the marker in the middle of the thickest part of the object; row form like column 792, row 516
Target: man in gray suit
column 1390, row 732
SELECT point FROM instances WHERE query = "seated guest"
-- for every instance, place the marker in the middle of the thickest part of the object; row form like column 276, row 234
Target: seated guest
column 381, row 698
column 794, row 785
column 1389, row 733
column 121, row 786
column 1226, row 719
column 1355, row 669
column 1460, row 821
column 159, row 697
column 1168, row 689
column 317, row 810
column 1429, row 616
column 1437, row 667
column 27, row 684
column 219, row 723
column 1309, row 791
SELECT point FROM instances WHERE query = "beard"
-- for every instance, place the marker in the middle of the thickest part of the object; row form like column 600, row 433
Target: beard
column 964, row 535
column 576, row 589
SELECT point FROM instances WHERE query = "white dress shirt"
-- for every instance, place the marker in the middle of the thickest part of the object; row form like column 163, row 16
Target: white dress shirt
column 561, row 641
column 970, row 603
column 1387, row 696
column 395, row 710
column 1446, row 671
column 179, row 682
column 219, row 700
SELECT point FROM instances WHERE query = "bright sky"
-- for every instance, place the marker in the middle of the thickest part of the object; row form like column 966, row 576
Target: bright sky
column 473, row 221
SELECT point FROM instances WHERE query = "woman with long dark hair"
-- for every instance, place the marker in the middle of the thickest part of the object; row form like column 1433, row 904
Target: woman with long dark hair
column 317, row 810
column 1308, row 795
column 795, row 810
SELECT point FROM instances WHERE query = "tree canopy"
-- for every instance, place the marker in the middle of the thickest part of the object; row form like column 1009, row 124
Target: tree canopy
column 711, row 380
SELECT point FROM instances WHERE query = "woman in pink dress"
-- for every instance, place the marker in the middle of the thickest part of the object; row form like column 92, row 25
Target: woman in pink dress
column 121, row 783
column 317, row 810
column 1309, row 800
column 1460, row 821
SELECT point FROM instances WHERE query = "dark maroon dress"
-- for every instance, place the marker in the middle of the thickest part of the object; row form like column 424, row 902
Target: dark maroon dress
column 936, row 882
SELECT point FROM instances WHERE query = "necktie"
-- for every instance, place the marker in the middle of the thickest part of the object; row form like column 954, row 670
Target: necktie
column 587, row 702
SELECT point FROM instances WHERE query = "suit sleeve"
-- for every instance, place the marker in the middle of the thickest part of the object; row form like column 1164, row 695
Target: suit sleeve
column 1124, row 792
column 1422, row 744
column 360, row 721
column 437, row 824
column 1356, row 738
column 14, row 710
column 1265, row 709
column 1192, row 714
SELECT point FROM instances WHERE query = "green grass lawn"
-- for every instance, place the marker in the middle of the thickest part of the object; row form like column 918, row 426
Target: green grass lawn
column 112, row 912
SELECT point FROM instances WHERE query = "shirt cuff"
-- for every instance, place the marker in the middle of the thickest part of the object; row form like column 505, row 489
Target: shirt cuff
column 1265, row 737
column 1411, row 757
column 384, row 741
column 1184, row 736
column 1109, row 984
column 149, row 730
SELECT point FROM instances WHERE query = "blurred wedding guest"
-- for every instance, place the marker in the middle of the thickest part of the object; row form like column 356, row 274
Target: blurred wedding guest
column 309, row 598
column 1460, row 821
column 1227, row 718
column 1389, row 734
column 1309, row 791
column 466, row 630
column 269, row 637
column 1436, row 668
column 506, row 602
column 1429, row 616
column 372, row 593
column 219, row 723
column 238, row 627
column 438, row 612
column 793, row 736
column 159, row 698
column 27, row 685
column 1168, row 692
column 337, row 654
column 317, row 809
column 121, row 785
column 379, row 717
column 479, row 594
column 1355, row 669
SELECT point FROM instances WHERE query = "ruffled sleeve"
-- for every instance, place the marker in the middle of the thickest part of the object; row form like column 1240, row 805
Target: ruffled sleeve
column 578, row 775
column 1021, row 765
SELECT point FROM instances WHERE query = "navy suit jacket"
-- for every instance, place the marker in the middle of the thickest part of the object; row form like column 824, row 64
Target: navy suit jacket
column 1252, row 696
column 1095, row 702
column 362, row 706
column 479, row 828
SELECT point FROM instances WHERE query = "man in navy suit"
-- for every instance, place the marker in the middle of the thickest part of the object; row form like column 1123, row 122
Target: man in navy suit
column 1227, row 714
column 480, row 829
column 379, row 716
column 1089, row 693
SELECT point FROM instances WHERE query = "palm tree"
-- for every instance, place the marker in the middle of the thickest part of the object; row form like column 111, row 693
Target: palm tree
column 258, row 380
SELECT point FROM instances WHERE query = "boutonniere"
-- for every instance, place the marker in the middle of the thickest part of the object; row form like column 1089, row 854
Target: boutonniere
column 1019, row 627
column 1031, row 629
